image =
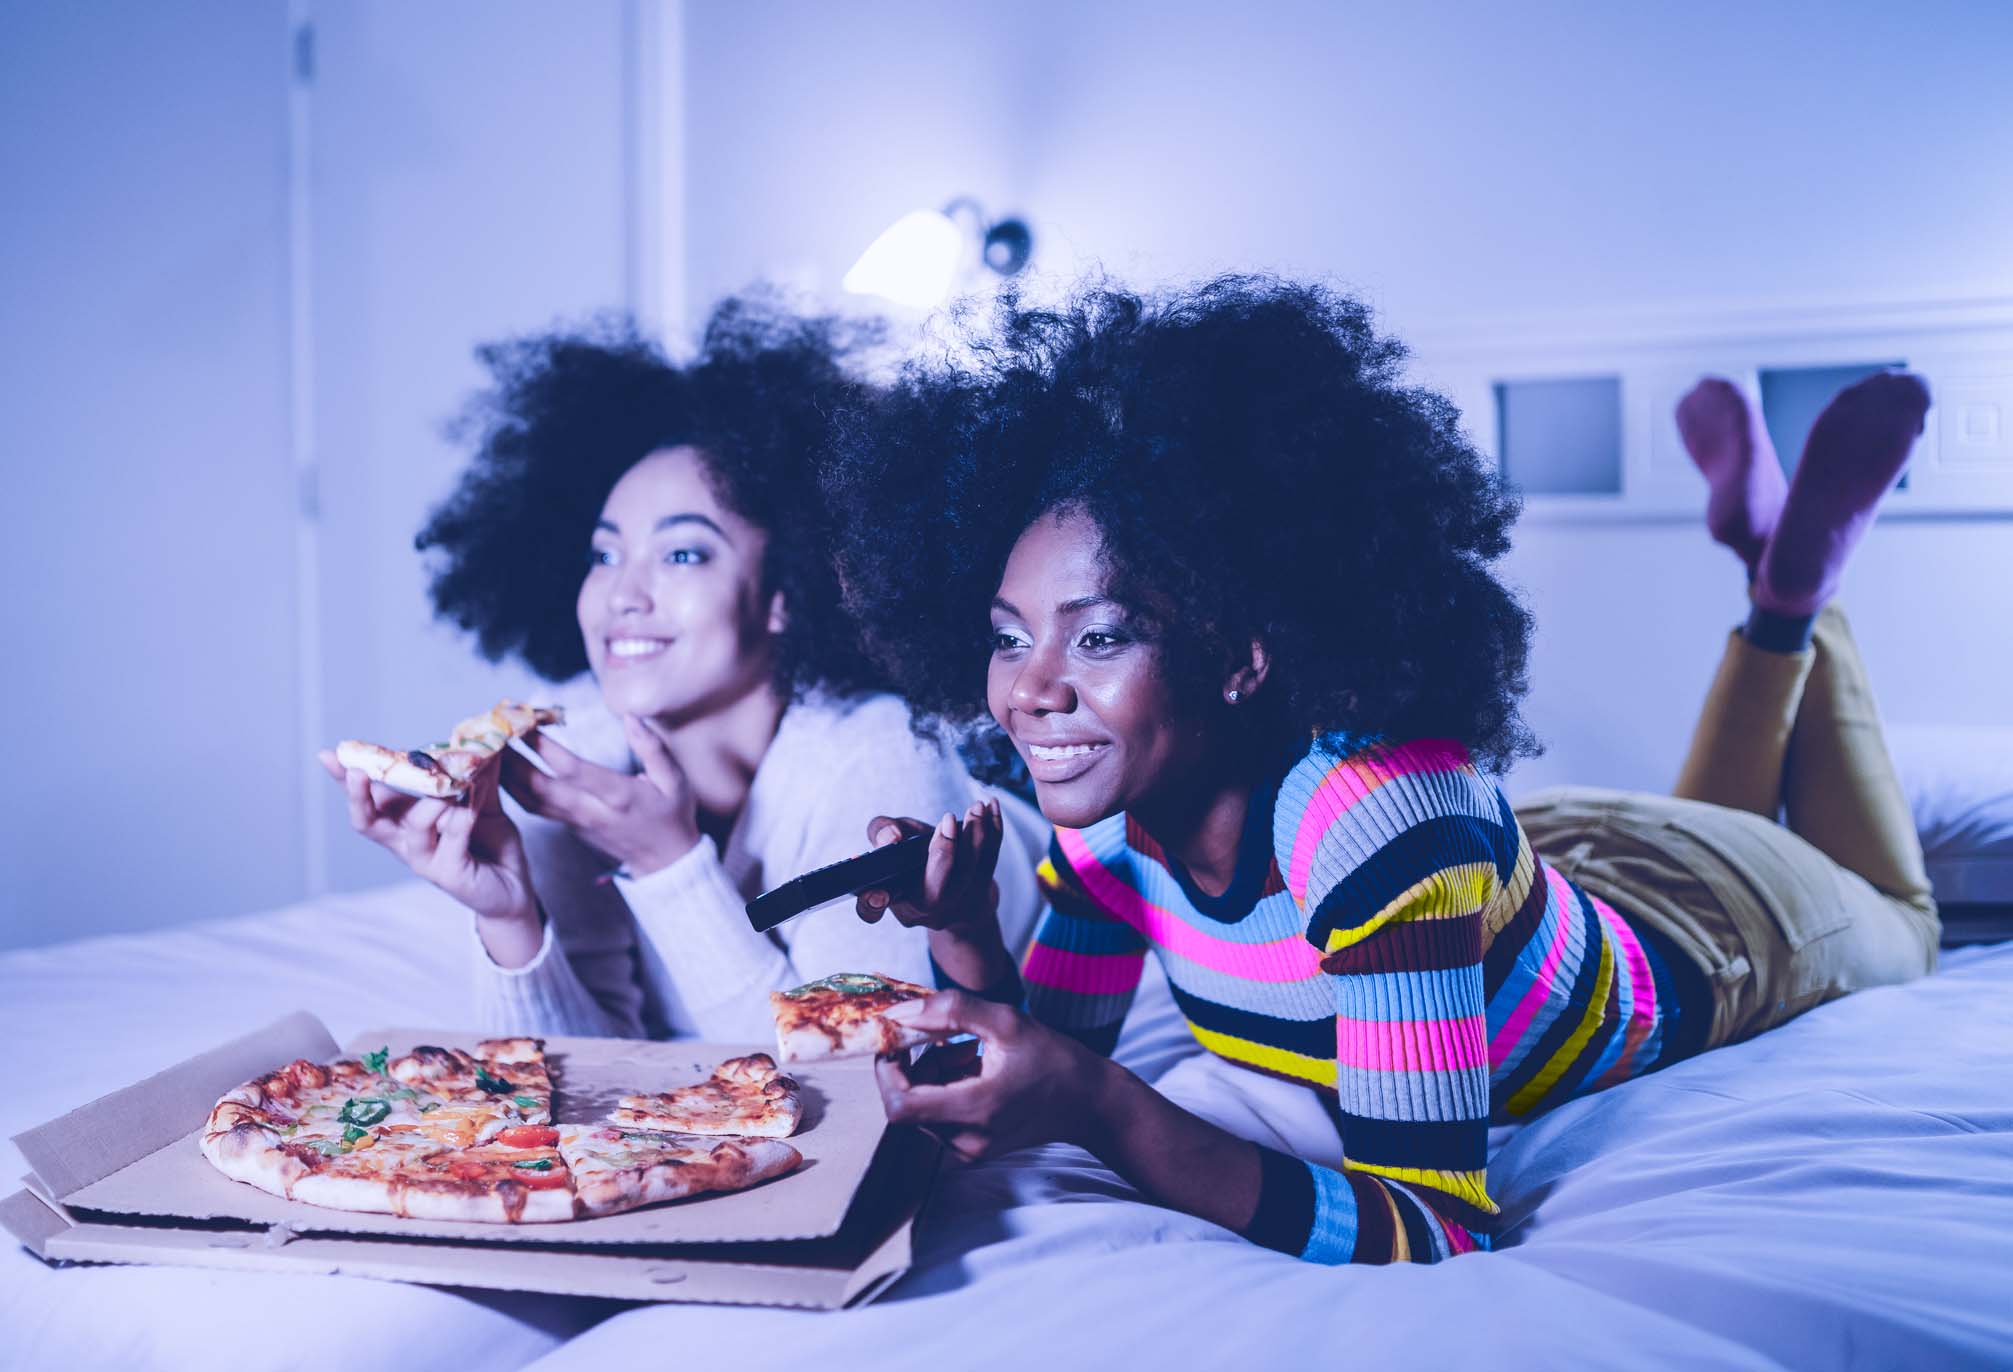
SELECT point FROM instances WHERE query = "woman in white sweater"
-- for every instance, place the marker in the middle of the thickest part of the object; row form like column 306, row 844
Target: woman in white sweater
column 659, row 526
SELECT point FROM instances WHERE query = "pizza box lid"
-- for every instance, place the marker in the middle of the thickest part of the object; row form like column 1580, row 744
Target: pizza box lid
column 133, row 1154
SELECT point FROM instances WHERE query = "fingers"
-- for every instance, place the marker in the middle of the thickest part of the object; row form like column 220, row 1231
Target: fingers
column 523, row 782
column 942, row 861
column 992, row 829
column 421, row 827
column 562, row 762
column 871, row 905
column 952, row 1012
column 882, row 830
column 908, row 1102
column 327, row 758
column 978, row 850
column 362, row 809
column 482, row 790
column 566, row 799
column 648, row 746
column 885, row 829
column 451, row 834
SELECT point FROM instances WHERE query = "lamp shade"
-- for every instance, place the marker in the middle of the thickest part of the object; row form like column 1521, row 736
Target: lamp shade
column 913, row 262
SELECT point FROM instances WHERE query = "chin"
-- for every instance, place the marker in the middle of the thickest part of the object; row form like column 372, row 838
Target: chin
column 636, row 698
column 1071, row 807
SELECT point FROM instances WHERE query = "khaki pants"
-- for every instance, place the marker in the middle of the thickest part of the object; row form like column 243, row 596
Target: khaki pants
column 1780, row 917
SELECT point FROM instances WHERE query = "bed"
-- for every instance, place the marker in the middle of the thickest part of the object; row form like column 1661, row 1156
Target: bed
column 1838, row 1193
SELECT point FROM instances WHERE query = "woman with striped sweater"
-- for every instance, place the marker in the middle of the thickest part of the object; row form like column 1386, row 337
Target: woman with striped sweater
column 1245, row 634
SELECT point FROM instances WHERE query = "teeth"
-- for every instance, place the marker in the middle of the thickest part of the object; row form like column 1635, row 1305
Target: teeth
column 1052, row 754
column 634, row 647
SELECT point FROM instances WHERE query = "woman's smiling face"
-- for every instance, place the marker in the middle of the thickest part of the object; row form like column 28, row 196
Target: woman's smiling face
column 672, row 610
column 1077, row 687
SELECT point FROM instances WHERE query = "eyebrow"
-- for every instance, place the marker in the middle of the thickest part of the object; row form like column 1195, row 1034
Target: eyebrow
column 1068, row 607
column 667, row 522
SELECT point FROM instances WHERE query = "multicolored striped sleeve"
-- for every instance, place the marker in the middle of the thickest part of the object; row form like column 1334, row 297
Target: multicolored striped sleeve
column 1085, row 963
column 1392, row 853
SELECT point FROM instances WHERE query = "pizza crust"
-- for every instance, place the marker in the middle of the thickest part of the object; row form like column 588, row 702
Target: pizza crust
column 250, row 1153
column 438, row 778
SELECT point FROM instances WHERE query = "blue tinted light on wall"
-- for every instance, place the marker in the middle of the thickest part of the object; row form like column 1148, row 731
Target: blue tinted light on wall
column 1561, row 436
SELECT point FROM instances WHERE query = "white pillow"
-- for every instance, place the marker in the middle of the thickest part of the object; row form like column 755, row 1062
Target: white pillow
column 1959, row 783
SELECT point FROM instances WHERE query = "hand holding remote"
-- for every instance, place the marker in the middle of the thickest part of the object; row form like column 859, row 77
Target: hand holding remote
column 955, row 898
column 956, row 887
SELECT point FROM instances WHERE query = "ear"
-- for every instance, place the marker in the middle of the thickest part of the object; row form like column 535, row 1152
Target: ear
column 779, row 616
column 1246, row 678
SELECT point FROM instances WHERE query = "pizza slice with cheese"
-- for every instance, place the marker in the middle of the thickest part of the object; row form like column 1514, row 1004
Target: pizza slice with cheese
column 619, row 1169
column 744, row 1096
column 840, row 1016
column 446, row 770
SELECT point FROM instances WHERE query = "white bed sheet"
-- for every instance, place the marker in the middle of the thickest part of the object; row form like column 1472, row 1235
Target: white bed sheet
column 1837, row 1193
column 80, row 1019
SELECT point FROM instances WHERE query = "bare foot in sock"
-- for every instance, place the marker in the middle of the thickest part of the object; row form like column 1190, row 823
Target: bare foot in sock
column 1725, row 437
column 1855, row 451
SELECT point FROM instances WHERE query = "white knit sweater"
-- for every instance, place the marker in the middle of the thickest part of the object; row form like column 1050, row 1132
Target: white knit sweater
column 671, row 953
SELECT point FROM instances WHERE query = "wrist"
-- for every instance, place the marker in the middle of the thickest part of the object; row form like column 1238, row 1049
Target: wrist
column 515, row 915
column 512, row 937
column 1107, row 1101
column 659, row 852
column 975, row 958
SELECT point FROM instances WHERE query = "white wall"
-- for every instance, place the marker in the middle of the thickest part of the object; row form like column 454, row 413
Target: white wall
column 470, row 182
column 147, row 621
column 213, row 271
column 1461, row 164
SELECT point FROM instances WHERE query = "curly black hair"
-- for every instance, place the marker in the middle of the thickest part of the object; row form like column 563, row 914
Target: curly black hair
column 568, row 413
column 1257, row 470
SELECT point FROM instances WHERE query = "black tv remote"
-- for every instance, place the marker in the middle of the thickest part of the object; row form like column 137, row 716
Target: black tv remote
column 884, row 867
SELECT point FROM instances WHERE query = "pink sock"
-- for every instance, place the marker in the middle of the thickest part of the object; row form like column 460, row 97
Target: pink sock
column 1855, row 451
column 1725, row 437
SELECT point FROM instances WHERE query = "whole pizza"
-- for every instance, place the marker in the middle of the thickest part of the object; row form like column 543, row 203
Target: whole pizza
column 443, row 1134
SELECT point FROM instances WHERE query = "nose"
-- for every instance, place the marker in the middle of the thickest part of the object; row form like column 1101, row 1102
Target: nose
column 1040, row 687
column 629, row 592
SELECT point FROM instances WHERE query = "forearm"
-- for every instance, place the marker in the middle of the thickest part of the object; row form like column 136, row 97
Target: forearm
column 977, row 961
column 1173, row 1158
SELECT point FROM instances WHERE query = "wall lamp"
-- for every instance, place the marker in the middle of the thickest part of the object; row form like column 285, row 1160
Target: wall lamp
column 920, row 257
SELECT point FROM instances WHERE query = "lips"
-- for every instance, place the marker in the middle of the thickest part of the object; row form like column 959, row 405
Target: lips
column 635, row 648
column 1060, row 762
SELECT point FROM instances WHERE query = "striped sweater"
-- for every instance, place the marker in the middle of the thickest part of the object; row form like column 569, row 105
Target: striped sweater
column 1388, row 937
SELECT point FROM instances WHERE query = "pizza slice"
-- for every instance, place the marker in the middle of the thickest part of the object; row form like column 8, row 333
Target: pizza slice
column 620, row 1169
column 445, row 771
column 518, row 1177
column 840, row 1016
column 744, row 1096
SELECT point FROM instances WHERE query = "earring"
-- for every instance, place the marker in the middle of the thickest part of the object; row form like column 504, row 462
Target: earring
column 1233, row 695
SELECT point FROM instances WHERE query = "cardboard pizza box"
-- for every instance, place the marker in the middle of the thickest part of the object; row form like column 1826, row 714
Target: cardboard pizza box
column 121, row 1180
